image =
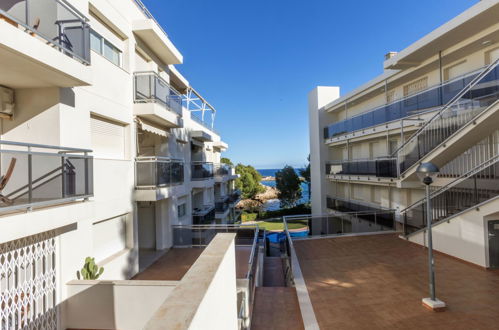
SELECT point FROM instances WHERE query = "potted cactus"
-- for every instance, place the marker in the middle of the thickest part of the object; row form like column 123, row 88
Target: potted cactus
column 90, row 270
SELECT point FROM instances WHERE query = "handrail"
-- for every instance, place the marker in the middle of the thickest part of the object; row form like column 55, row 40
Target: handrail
column 458, row 96
column 43, row 146
column 404, row 99
column 252, row 254
column 158, row 159
column 148, row 14
column 460, row 179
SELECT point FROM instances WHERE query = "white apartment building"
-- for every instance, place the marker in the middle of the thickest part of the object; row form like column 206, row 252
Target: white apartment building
column 436, row 101
column 102, row 151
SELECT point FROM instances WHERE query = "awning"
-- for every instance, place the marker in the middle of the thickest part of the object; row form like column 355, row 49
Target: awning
column 151, row 128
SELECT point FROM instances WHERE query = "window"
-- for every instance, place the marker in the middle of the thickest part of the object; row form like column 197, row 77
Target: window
column 455, row 71
column 100, row 45
column 181, row 210
column 108, row 139
column 416, row 86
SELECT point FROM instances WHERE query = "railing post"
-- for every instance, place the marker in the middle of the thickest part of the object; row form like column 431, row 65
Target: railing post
column 63, row 176
column 87, row 183
column 30, row 178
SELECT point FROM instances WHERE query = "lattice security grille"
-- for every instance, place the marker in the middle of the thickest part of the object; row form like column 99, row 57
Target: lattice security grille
column 28, row 283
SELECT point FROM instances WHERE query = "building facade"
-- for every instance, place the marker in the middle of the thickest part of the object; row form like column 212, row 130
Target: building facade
column 436, row 101
column 105, row 147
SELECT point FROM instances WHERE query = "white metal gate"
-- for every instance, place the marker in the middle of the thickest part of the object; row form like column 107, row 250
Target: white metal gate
column 28, row 283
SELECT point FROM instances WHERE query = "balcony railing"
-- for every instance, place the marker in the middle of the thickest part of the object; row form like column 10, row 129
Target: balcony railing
column 36, row 175
column 55, row 21
column 377, row 215
column 151, row 172
column 234, row 196
column 203, row 215
column 381, row 167
column 470, row 102
column 150, row 87
column 201, row 171
column 222, row 169
column 222, row 205
column 470, row 190
column 435, row 96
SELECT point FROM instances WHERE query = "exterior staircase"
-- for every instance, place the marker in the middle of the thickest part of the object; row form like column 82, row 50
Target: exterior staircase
column 467, row 118
column 469, row 191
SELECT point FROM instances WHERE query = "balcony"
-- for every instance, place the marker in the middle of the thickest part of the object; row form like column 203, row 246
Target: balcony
column 201, row 171
column 381, row 168
column 44, row 44
column 36, row 175
column 156, row 177
column 436, row 96
column 234, row 197
column 156, row 100
column 204, row 215
column 222, row 208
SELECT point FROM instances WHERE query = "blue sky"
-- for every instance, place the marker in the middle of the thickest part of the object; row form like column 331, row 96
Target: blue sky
column 255, row 61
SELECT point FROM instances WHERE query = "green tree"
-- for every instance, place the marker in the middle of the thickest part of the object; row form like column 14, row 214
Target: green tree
column 226, row 161
column 249, row 181
column 305, row 173
column 289, row 185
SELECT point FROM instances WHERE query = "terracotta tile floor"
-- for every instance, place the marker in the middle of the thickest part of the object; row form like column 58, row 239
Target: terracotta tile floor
column 377, row 282
column 276, row 309
column 173, row 265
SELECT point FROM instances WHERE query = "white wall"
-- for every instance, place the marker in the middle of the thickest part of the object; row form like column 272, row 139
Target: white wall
column 465, row 236
column 317, row 98
column 113, row 304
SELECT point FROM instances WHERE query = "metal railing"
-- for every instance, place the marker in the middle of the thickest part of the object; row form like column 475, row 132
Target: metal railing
column 204, row 215
column 234, row 196
column 152, row 172
column 55, row 21
column 148, row 14
column 35, row 175
column 479, row 95
column 204, row 123
column 201, row 170
column 340, row 223
column 150, row 87
column 435, row 96
column 381, row 167
column 222, row 205
column 471, row 189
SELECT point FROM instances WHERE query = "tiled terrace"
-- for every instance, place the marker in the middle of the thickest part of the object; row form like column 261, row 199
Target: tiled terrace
column 377, row 282
column 173, row 265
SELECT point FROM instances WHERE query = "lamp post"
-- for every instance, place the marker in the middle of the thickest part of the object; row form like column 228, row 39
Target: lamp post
column 426, row 172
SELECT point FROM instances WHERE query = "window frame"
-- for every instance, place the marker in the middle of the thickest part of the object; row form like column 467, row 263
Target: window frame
column 101, row 52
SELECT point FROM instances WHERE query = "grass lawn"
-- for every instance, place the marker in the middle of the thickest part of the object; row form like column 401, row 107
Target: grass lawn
column 278, row 225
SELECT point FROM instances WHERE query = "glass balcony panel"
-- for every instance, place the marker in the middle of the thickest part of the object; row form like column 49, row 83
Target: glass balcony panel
column 42, row 178
column 478, row 98
column 150, row 87
column 201, row 171
column 54, row 21
column 433, row 97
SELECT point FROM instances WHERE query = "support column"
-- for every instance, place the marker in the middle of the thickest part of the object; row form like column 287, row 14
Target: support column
column 318, row 98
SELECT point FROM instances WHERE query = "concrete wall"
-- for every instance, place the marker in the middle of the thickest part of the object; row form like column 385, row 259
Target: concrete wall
column 209, row 283
column 464, row 236
column 317, row 98
column 113, row 304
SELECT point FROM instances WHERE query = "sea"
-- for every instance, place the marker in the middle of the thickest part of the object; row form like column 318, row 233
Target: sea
column 273, row 204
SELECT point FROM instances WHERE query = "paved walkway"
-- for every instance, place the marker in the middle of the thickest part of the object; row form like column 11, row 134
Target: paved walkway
column 276, row 309
column 377, row 282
